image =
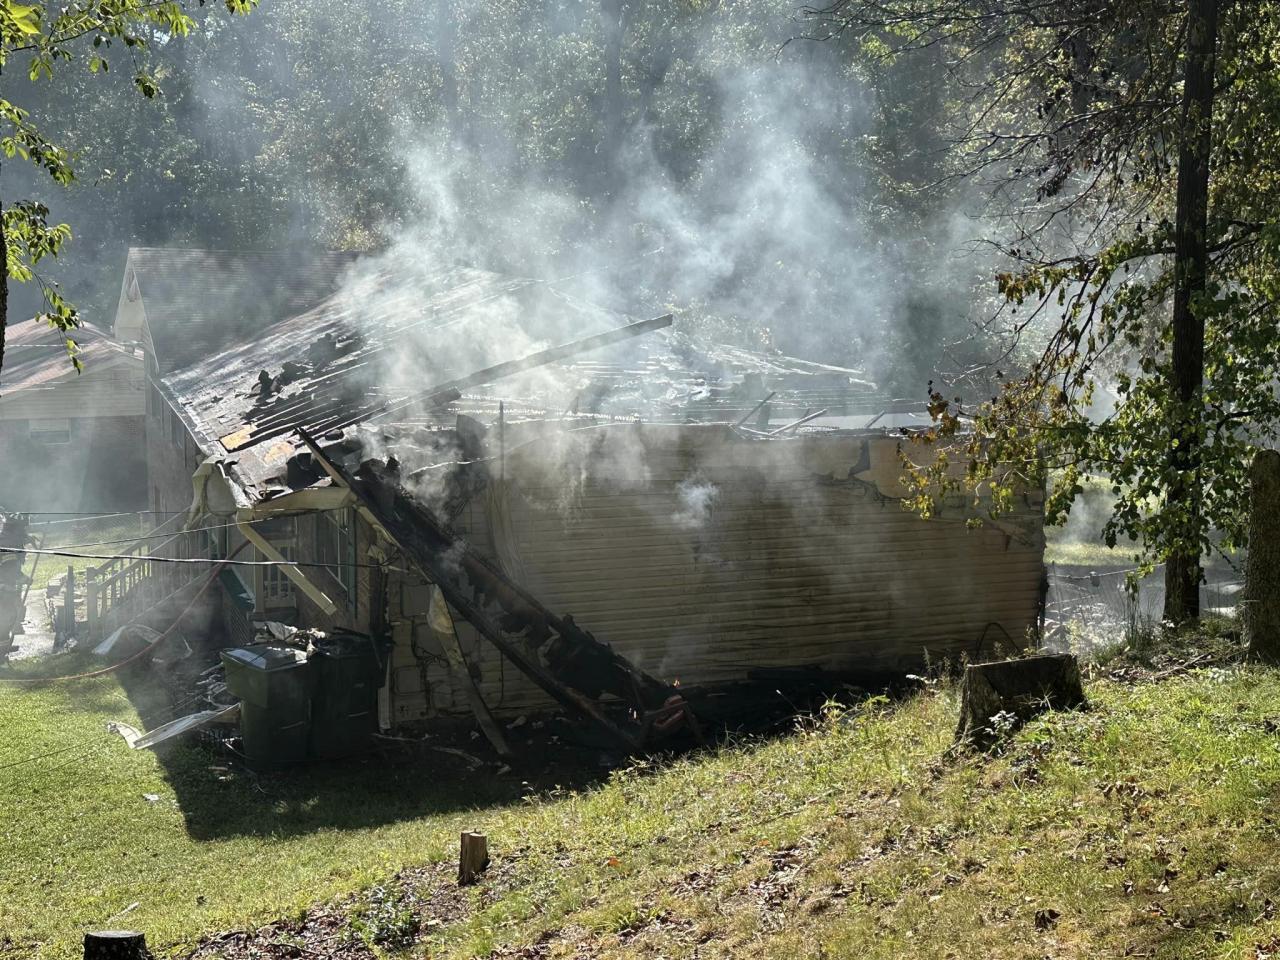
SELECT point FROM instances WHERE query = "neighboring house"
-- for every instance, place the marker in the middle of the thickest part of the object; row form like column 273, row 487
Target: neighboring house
column 72, row 441
column 185, row 305
column 699, row 536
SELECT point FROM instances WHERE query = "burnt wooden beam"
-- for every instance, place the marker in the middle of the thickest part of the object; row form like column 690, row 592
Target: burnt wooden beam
column 450, row 563
column 339, row 410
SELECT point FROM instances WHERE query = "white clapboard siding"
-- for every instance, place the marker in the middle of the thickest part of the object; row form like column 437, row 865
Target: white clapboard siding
column 106, row 390
column 788, row 566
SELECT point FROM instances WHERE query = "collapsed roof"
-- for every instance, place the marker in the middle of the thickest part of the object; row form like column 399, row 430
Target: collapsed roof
column 381, row 349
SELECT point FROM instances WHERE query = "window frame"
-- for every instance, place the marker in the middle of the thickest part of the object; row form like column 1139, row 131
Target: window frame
column 335, row 532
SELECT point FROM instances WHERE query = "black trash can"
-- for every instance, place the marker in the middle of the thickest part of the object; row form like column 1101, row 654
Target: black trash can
column 344, row 712
column 274, row 684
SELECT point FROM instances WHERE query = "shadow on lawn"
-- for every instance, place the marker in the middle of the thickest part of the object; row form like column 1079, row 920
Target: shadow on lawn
column 397, row 780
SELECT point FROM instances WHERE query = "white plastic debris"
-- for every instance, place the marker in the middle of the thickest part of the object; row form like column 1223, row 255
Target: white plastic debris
column 174, row 728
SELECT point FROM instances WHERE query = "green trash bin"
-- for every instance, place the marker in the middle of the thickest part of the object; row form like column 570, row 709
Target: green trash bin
column 273, row 683
column 344, row 713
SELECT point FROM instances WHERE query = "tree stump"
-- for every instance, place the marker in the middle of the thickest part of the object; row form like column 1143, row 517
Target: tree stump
column 1260, row 611
column 473, row 857
column 115, row 945
column 997, row 698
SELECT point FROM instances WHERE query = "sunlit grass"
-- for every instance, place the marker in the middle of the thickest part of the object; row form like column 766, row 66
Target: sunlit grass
column 1141, row 826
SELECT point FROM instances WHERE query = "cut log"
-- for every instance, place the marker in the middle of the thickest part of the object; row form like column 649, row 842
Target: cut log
column 115, row 945
column 997, row 698
column 1260, row 612
column 473, row 857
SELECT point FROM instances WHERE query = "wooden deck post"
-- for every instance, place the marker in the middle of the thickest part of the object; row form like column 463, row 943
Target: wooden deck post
column 91, row 602
column 473, row 857
column 69, row 605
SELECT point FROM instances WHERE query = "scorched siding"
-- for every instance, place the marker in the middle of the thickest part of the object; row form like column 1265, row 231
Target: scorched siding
column 785, row 562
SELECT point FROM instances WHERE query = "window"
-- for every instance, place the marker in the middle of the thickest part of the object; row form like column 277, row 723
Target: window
column 50, row 431
column 277, row 588
column 336, row 548
column 274, row 588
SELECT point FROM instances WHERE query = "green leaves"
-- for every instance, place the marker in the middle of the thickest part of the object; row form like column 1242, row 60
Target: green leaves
column 19, row 20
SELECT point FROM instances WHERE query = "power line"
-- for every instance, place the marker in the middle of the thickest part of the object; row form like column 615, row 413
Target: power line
column 198, row 560
column 171, row 534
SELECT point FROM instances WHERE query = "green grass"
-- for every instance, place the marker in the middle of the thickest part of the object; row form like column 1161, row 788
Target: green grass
column 80, row 841
column 1144, row 826
column 1084, row 553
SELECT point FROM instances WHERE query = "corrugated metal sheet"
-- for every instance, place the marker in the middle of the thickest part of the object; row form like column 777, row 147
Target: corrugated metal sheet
column 700, row 555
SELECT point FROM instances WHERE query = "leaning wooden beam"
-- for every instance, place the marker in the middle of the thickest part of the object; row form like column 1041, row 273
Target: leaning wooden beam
column 444, row 571
column 290, row 570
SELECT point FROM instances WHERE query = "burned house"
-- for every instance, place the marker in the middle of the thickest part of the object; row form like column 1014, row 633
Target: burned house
column 597, row 524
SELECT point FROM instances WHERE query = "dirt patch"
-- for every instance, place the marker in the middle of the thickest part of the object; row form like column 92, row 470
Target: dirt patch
column 392, row 916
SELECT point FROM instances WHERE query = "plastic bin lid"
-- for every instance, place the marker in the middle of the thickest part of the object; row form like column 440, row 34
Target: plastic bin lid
column 267, row 656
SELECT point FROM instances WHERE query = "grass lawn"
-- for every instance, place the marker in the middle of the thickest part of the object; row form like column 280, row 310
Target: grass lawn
column 1146, row 826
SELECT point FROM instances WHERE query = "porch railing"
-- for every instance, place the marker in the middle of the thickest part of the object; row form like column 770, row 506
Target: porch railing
column 121, row 588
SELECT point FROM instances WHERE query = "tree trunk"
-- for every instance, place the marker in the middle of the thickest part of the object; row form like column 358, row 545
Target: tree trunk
column 473, row 857
column 997, row 698
column 115, row 945
column 1182, row 569
column 611, row 18
column 4, row 288
column 1260, row 611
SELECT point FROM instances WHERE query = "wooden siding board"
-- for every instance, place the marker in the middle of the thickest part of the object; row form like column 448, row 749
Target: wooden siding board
column 797, row 572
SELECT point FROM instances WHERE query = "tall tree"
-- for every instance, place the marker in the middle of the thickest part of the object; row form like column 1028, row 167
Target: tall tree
column 611, row 17
column 1190, row 270
column 1136, row 339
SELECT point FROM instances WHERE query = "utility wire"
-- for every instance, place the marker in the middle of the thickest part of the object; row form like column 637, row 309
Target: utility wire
column 213, row 574
column 170, row 534
column 200, row 560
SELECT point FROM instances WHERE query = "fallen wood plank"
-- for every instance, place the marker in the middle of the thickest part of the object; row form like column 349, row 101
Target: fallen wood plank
column 448, row 562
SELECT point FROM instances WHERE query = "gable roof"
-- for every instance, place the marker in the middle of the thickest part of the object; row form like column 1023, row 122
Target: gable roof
column 35, row 355
column 198, row 301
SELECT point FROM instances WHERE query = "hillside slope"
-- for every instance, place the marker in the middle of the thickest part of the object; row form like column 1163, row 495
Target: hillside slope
column 1145, row 826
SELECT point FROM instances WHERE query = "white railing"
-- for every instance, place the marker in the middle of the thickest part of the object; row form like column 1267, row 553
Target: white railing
column 121, row 588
